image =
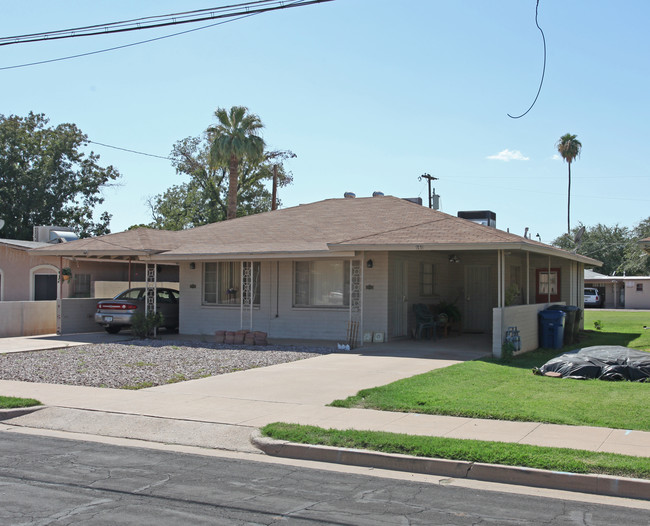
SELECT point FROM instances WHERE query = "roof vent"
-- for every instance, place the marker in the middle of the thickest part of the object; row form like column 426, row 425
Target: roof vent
column 482, row 217
column 378, row 194
column 349, row 195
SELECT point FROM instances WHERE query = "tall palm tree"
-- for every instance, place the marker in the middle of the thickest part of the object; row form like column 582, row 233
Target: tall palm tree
column 234, row 139
column 569, row 147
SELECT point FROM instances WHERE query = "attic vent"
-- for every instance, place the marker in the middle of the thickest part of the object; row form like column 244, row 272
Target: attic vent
column 349, row 195
column 378, row 194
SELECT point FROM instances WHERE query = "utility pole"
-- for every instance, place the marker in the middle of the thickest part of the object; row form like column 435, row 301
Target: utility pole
column 429, row 178
column 274, row 197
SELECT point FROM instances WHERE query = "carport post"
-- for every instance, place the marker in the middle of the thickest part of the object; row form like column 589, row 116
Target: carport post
column 150, row 302
column 58, row 298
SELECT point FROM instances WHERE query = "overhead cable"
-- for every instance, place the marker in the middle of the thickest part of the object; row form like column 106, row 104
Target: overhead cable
column 297, row 3
column 201, row 15
column 543, row 68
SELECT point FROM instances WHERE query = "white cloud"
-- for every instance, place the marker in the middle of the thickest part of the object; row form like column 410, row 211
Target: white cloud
column 508, row 155
column 556, row 157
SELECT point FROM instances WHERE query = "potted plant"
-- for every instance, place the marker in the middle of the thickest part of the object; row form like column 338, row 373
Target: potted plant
column 66, row 273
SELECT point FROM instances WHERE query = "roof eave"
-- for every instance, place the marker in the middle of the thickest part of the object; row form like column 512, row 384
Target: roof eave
column 295, row 254
column 443, row 247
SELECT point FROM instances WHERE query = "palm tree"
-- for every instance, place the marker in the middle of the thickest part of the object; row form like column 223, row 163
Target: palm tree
column 235, row 138
column 569, row 147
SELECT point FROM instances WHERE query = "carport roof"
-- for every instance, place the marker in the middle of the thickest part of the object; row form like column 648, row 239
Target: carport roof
column 323, row 228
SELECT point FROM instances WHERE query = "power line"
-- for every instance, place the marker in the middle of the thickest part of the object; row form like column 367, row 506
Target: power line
column 130, row 151
column 297, row 3
column 255, row 7
column 543, row 69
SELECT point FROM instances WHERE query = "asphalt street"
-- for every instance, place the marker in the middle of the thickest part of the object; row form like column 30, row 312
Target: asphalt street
column 46, row 480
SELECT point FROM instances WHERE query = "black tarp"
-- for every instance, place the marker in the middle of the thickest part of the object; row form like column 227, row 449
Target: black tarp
column 604, row 362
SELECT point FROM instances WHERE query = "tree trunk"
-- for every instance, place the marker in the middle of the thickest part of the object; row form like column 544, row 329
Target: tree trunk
column 568, row 209
column 233, row 183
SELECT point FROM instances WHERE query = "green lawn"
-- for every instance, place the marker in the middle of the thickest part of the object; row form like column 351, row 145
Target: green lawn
column 11, row 402
column 509, row 391
column 556, row 459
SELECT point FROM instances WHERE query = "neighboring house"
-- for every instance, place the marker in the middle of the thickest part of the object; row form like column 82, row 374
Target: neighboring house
column 611, row 288
column 621, row 292
column 307, row 271
column 25, row 276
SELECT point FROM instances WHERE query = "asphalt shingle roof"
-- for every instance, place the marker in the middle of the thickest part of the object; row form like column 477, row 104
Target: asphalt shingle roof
column 341, row 224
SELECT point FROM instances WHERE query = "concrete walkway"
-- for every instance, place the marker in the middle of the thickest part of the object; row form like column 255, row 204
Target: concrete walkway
column 293, row 392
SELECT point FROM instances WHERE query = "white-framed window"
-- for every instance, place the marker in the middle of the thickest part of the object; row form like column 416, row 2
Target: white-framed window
column 639, row 287
column 426, row 279
column 321, row 283
column 222, row 282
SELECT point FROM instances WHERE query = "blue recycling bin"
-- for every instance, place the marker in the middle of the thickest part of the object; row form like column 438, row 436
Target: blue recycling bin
column 571, row 322
column 551, row 328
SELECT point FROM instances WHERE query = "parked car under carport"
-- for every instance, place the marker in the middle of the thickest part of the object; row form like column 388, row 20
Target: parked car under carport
column 117, row 313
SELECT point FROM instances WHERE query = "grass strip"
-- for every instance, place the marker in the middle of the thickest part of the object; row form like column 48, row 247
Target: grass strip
column 11, row 402
column 509, row 454
column 494, row 389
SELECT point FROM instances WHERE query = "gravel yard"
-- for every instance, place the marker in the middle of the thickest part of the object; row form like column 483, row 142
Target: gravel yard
column 144, row 363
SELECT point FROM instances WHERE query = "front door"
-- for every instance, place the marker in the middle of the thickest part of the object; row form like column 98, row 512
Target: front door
column 400, row 300
column 478, row 299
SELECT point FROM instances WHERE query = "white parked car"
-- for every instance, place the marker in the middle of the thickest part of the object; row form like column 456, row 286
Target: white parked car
column 593, row 298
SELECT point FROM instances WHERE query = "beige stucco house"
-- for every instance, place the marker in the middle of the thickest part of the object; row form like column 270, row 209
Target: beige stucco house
column 27, row 276
column 310, row 270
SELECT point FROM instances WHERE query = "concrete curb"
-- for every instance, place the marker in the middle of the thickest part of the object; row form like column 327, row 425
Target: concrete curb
column 596, row 484
column 6, row 414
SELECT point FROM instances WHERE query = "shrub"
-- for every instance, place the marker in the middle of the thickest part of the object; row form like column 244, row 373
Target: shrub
column 142, row 325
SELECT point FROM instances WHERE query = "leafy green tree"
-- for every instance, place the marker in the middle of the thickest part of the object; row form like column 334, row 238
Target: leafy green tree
column 203, row 199
column 617, row 247
column 234, row 140
column 569, row 147
column 46, row 180
column 637, row 260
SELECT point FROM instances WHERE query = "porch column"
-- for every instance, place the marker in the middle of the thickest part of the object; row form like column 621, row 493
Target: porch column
column 548, row 286
column 59, row 296
column 356, row 302
column 150, row 289
column 527, row 278
column 246, row 297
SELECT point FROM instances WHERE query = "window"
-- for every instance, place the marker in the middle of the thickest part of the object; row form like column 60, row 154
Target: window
column 81, row 284
column 321, row 284
column 547, row 283
column 222, row 282
column 639, row 287
column 426, row 279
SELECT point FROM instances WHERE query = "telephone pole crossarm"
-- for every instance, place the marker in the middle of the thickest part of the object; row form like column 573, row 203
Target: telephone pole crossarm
column 429, row 178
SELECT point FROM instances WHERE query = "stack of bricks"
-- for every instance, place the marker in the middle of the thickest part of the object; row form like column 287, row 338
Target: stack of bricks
column 241, row 337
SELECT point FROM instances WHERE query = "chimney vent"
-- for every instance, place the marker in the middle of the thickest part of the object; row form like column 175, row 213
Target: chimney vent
column 378, row 194
column 349, row 195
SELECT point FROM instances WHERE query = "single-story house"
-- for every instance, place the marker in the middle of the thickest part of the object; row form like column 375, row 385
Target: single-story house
column 309, row 271
column 27, row 276
column 621, row 292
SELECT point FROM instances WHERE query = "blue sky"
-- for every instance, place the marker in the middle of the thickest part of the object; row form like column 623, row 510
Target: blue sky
column 369, row 94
